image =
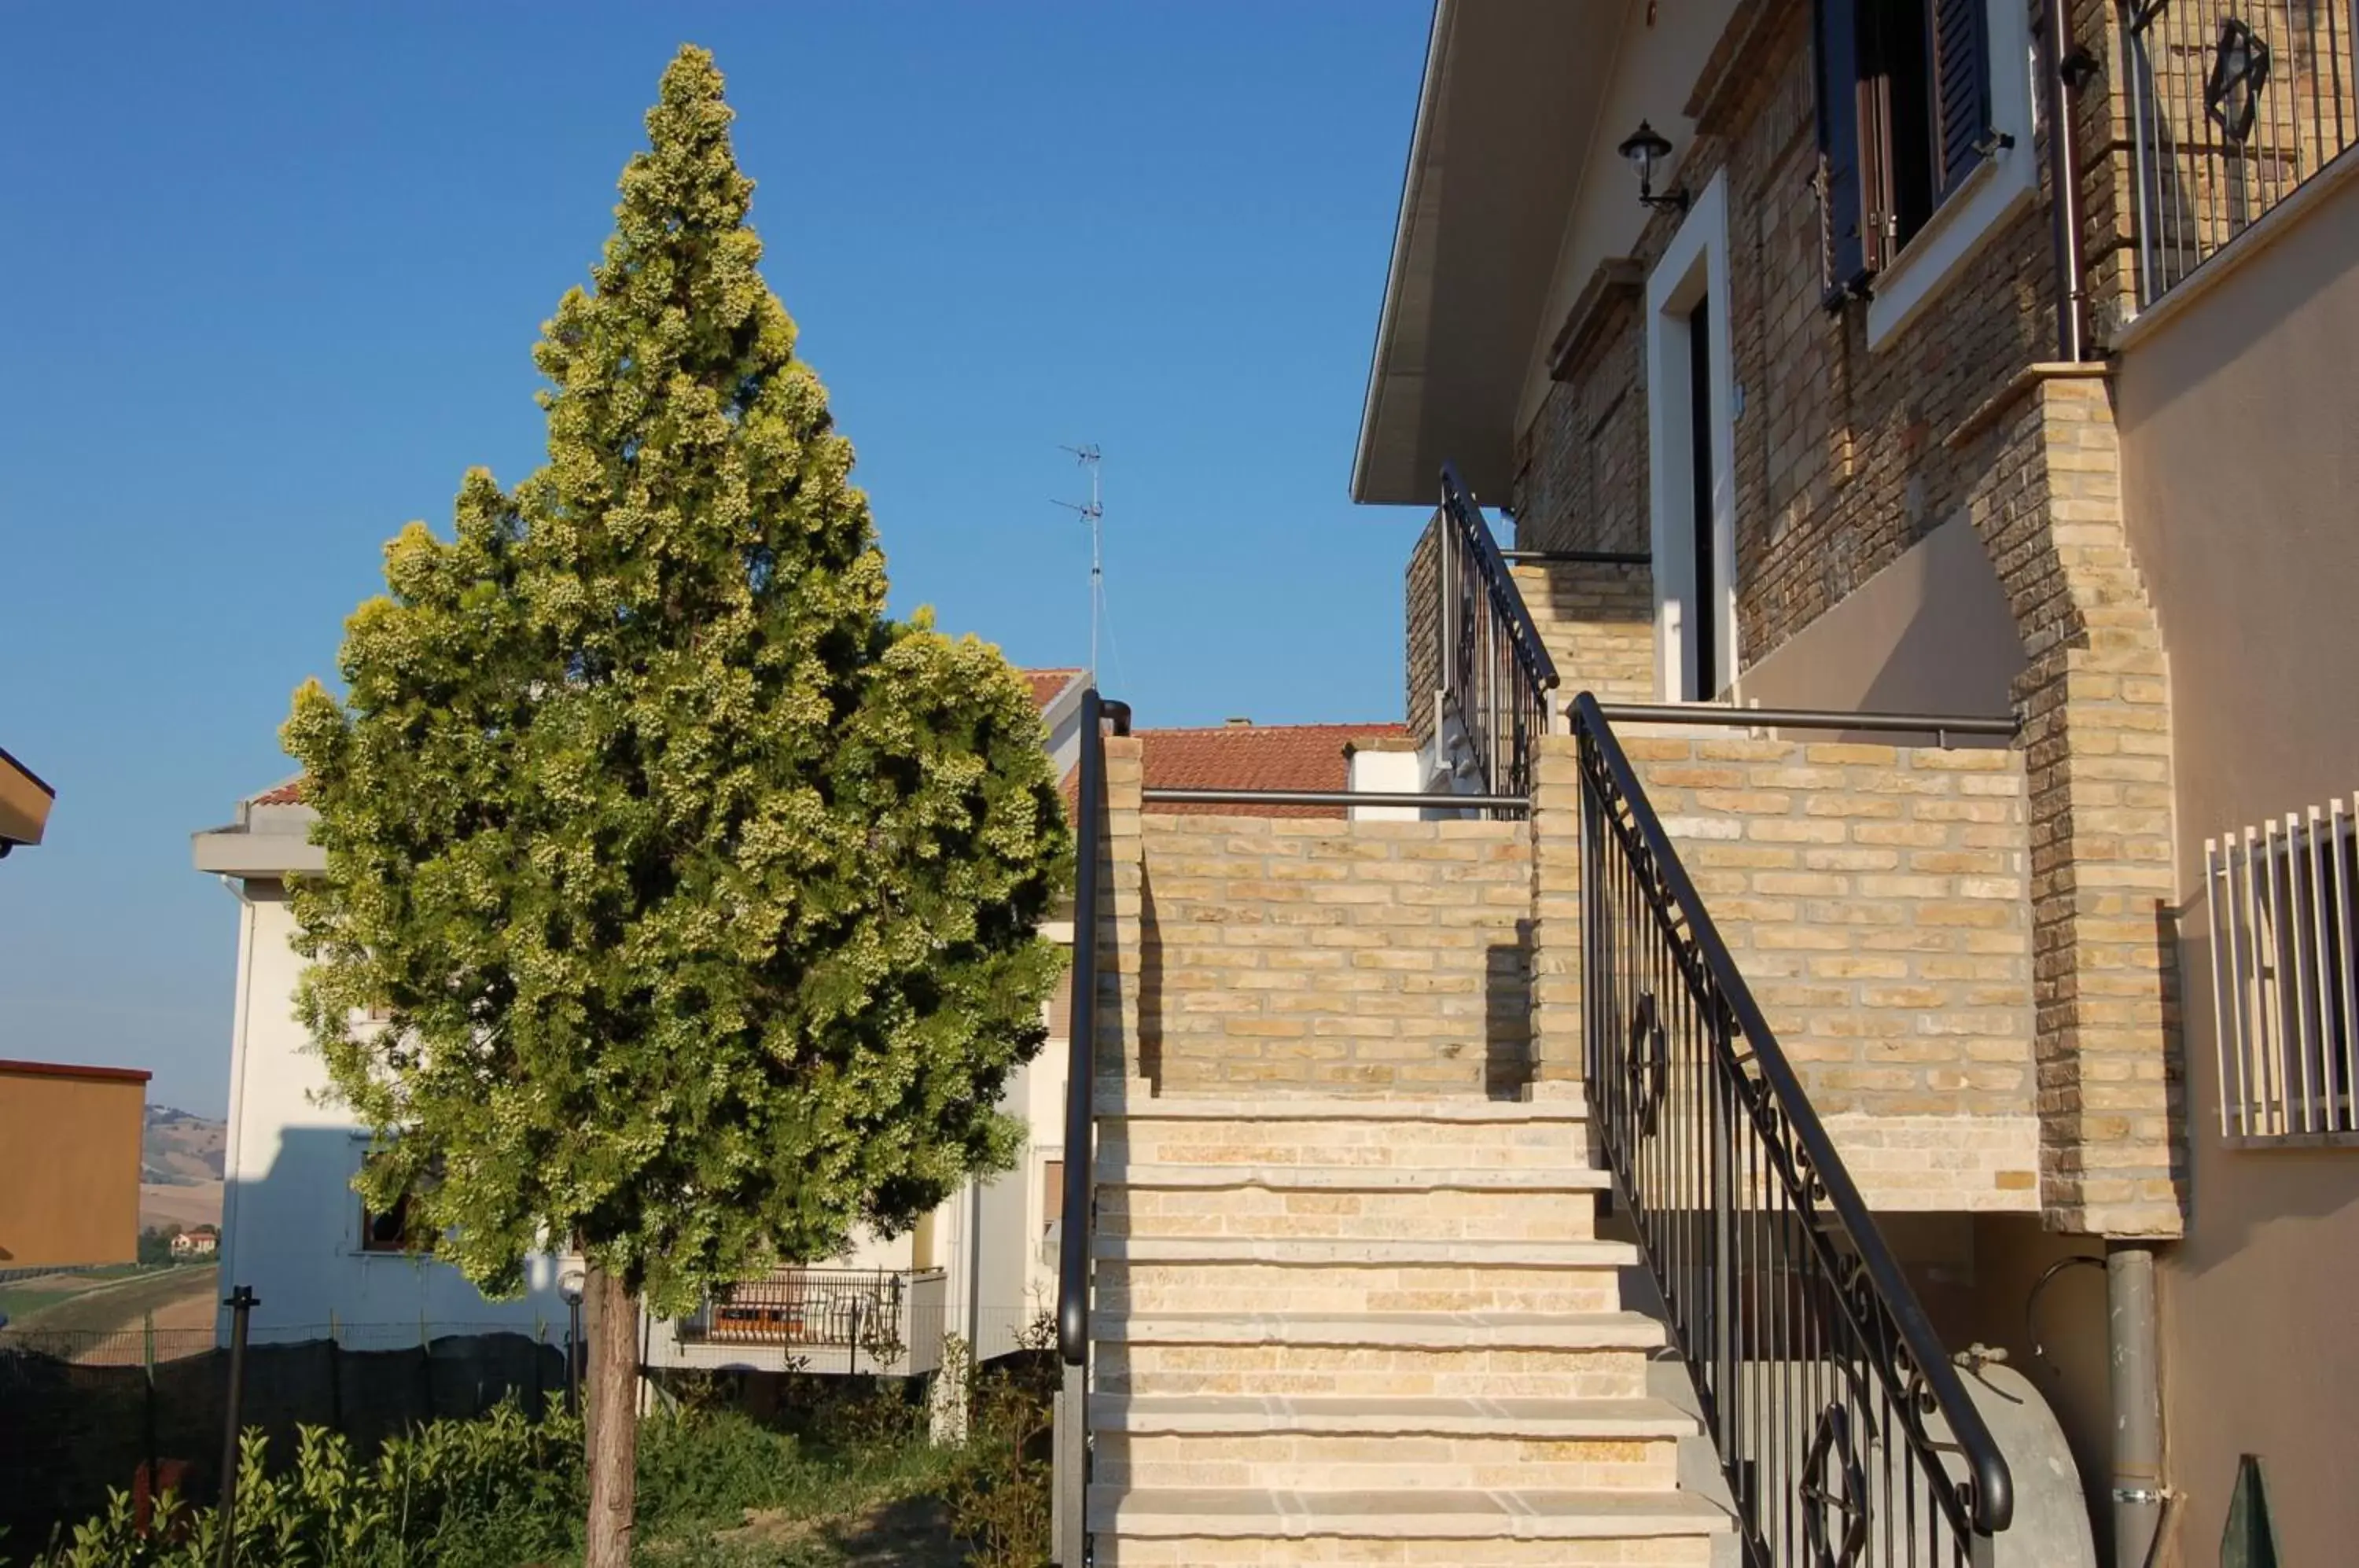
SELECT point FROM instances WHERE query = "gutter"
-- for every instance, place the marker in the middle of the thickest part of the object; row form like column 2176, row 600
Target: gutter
column 1429, row 94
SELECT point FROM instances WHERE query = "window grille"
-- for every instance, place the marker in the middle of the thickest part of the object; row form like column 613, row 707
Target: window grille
column 2283, row 962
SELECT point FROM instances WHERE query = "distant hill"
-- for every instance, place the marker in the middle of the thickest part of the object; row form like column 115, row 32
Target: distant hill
column 182, row 1149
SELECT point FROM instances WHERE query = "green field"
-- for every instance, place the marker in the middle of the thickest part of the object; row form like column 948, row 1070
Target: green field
column 103, row 1300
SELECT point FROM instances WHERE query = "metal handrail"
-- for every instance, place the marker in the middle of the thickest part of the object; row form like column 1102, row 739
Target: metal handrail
column 1943, row 725
column 1577, row 557
column 1496, row 673
column 1856, row 1315
column 1080, row 1058
column 1172, row 796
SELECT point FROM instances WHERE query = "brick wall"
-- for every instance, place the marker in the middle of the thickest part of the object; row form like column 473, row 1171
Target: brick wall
column 2096, row 702
column 1840, row 464
column 1599, row 625
column 1421, row 655
column 1338, row 956
column 1875, row 898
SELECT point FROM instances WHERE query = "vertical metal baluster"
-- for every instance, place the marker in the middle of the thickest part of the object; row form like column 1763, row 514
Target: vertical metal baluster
column 2346, row 957
column 2260, row 883
column 2240, row 973
column 2321, row 969
column 2290, row 935
column 2212, row 868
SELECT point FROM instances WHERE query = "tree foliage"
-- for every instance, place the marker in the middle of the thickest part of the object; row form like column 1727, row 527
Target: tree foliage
column 698, row 897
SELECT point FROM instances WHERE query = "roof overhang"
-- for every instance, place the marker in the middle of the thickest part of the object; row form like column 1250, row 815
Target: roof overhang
column 1511, row 97
column 25, row 804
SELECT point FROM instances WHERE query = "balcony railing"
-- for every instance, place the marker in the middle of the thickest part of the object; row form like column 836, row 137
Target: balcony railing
column 1843, row 1431
column 886, row 1320
column 1497, row 675
column 2231, row 109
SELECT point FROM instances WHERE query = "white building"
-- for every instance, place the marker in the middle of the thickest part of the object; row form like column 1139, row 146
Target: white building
column 294, row 1230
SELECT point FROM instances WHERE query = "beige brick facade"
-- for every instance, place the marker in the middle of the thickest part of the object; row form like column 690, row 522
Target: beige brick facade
column 2095, row 699
column 1355, row 955
column 1598, row 624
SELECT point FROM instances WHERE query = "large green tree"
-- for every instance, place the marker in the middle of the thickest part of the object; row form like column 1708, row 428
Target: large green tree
column 698, row 899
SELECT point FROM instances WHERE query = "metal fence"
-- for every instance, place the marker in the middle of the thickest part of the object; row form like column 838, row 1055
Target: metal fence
column 141, row 1411
column 2231, row 108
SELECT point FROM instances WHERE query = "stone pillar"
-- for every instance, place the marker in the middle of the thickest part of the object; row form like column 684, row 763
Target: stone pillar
column 1556, row 915
column 2096, row 738
column 1121, row 925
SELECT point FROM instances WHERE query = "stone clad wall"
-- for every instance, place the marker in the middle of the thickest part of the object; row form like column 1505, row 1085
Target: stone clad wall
column 1332, row 955
column 1875, row 899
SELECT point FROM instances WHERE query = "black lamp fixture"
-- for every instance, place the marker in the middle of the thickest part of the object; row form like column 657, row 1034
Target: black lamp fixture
column 1645, row 147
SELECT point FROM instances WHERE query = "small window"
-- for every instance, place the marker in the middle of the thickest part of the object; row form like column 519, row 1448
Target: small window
column 1904, row 119
column 1052, row 1192
column 392, row 1230
column 2285, row 977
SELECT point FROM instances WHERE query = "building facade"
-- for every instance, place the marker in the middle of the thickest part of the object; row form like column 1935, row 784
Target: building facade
column 1961, row 360
column 70, row 1160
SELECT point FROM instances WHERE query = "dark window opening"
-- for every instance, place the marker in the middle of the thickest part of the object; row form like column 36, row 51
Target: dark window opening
column 1703, row 680
column 1904, row 121
column 391, row 1230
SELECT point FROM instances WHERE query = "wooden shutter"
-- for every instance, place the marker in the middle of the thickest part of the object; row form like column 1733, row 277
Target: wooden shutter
column 1958, row 32
column 1848, row 229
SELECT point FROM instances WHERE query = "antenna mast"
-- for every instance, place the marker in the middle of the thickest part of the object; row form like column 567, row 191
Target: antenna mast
column 1094, row 515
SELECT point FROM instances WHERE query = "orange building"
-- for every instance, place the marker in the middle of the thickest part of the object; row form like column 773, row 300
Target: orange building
column 70, row 1139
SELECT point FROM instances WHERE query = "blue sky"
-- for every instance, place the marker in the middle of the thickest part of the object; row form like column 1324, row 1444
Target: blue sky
column 273, row 277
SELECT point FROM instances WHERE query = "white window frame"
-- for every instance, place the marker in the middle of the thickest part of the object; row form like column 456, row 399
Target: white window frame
column 1694, row 264
column 2285, row 978
column 2006, row 182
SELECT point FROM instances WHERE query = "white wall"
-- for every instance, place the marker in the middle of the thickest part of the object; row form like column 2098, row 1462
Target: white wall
column 291, row 1221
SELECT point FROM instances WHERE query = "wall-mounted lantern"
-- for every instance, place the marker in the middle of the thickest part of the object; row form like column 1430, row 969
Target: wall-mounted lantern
column 1645, row 147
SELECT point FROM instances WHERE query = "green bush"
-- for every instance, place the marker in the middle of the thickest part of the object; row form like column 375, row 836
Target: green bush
column 459, row 1494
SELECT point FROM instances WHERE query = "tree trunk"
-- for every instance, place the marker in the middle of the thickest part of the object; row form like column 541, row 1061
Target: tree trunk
column 613, row 1437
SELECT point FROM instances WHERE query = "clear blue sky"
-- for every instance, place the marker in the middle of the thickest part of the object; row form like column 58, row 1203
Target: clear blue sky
column 273, row 276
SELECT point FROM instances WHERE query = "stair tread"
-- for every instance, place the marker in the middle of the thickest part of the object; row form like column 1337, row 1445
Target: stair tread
column 1435, row 1514
column 1355, row 1178
column 1509, row 1418
column 1440, row 1331
column 1123, row 1106
column 1303, row 1251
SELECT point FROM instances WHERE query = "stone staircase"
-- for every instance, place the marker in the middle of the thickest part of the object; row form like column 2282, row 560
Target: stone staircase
column 1358, row 1329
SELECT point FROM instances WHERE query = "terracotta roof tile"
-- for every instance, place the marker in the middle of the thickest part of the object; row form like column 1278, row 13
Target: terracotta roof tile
column 1048, row 685
column 1251, row 756
column 288, row 794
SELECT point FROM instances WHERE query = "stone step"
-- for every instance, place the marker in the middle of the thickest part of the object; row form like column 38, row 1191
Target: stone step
column 1314, row 1523
column 1131, row 1102
column 1375, row 1371
column 1564, row 1355
column 1469, row 1331
column 1373, row 1461
column 1333, row 1202
column 1266, row 1414
column 1322, row 1253
column 1441, row 1131
column 1155, row 1276
column 1357, row 1177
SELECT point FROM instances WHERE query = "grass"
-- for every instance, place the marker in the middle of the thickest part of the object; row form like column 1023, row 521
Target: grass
column 112, row 1300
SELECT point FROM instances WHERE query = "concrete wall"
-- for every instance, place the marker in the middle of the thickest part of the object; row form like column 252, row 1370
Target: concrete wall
column 290, row 1220
column 2240, row 453
column 1355, row 955
column 1930, row 634
column 70, row 1165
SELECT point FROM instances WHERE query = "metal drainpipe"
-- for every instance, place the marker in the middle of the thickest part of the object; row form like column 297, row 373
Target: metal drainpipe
column 2064, row 64
column 2138, row 1488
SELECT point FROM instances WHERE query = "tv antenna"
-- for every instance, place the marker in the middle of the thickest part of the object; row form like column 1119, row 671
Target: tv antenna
column 1094, row 514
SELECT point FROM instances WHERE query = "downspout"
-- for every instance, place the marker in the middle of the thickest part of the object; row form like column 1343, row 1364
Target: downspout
column 2133, row 1358
column 2067, row 68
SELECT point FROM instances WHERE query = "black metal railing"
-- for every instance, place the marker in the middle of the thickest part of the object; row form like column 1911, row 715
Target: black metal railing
column 1495, row 673
column 813, row 1307
column 1071, row 1440
column 1846, row 1434
column 2231, row 108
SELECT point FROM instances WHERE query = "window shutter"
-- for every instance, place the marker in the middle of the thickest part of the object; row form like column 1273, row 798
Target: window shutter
column 1962, row 90
column 1842, row 194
